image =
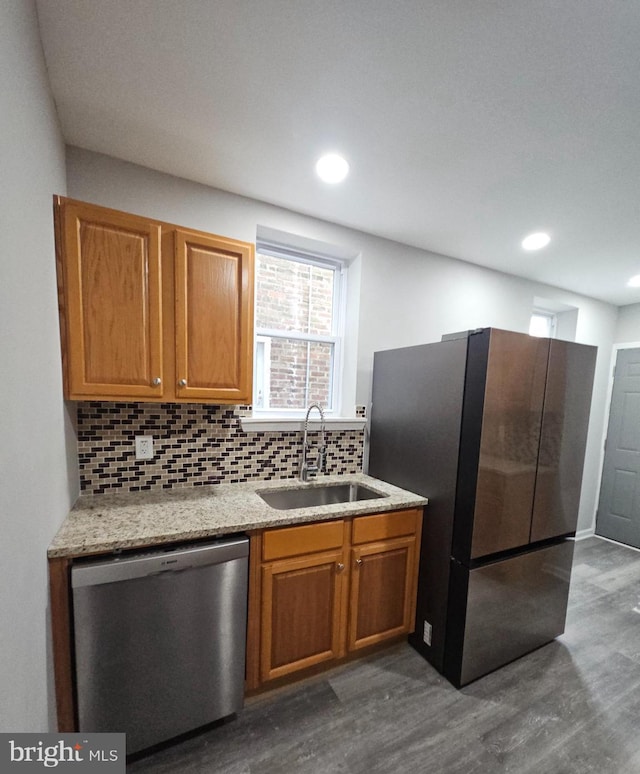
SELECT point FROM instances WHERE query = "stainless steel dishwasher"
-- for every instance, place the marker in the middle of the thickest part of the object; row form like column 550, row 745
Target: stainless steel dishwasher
column 160, row 639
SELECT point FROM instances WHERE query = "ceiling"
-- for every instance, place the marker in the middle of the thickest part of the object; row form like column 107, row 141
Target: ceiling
column 467, row 123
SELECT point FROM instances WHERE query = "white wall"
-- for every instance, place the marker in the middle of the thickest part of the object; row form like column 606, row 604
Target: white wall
column 38, row 466
column 628, row 327
column 407, row 296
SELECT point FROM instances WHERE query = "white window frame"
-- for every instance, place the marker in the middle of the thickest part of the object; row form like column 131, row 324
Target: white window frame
column 336, row 338
column 550, row 317
column 262, row 343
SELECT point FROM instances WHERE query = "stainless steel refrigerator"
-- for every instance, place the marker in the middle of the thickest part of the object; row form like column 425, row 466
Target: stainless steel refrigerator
column 491, row 426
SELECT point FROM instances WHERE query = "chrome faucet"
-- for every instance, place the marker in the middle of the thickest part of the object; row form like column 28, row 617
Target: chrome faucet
column 309, row 469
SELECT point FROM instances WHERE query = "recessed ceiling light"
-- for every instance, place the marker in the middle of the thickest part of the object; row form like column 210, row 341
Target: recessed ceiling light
column 634, row 282
column 536, row 241
column 332, row 168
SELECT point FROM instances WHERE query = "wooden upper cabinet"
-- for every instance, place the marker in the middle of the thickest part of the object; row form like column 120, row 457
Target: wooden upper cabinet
column 213, row 294
column 150, row 311
column 110, row 267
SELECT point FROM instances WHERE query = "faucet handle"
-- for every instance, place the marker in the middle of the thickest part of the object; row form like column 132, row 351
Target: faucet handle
column 310, row 471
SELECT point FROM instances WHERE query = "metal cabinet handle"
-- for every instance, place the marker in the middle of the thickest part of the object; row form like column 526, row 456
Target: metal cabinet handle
column 157, row 381
column 182, row 382
column 358, row 562
column 340, row 567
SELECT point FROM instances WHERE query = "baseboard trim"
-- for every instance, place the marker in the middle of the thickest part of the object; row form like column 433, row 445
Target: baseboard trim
column 583, row 534
column 617, row 543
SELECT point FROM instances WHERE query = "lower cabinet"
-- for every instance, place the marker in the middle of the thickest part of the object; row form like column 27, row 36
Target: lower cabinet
column 301, row 606
column 324, row 590
column 381, row 600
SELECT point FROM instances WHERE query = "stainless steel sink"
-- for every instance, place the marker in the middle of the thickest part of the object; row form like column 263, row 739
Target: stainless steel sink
column 309, row 496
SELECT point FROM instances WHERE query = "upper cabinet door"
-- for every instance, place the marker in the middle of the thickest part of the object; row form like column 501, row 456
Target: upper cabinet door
column 111, row 303
column 563, row 439
column 511, row 416
column 214, row 318
column 150, row 311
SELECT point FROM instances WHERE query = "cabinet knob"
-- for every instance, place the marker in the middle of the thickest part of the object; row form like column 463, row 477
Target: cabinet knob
column 182, row 382
column 340, row 567
column 358, row 562
column 157, row 381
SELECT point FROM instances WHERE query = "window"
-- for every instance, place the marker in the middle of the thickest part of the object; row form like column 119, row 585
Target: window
column 298, row 331
column 542, row 323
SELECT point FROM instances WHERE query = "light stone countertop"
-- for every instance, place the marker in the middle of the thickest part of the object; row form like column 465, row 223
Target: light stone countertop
column 105, row 523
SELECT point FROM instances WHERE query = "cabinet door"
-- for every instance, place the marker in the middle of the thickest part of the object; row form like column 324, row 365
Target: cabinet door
column 382, row 591
column 214, row 318
column 301, row 613
column 111, row 303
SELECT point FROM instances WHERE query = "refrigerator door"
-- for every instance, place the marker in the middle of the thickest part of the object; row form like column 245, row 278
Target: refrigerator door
column 563, row 439
column 505, row 609
column 499, row 448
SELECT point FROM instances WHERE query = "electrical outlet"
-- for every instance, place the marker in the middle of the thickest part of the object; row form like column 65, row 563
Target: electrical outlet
column 426, row 634
column 144, row 447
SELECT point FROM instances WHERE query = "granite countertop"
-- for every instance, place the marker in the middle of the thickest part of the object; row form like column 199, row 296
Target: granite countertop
column 104, row 523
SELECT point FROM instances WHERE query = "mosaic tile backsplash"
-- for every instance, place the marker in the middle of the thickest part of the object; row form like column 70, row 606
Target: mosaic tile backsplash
column 194, row 445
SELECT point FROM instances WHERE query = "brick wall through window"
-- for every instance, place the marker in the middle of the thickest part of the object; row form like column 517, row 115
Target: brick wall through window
column 294, row 297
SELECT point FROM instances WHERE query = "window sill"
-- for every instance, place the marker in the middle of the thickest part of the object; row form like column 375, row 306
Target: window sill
column 296, row 424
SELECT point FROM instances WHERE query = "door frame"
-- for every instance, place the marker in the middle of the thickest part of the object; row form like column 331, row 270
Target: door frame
column 585, row 533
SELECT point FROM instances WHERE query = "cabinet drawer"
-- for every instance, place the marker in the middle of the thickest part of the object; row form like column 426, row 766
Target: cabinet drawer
column 306, row 539
column 380, row 526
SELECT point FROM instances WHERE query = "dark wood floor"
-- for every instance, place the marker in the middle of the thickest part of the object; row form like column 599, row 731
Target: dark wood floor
column 572, row 706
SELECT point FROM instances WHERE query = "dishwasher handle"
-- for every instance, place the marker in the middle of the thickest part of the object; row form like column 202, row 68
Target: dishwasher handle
column 158, row 561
